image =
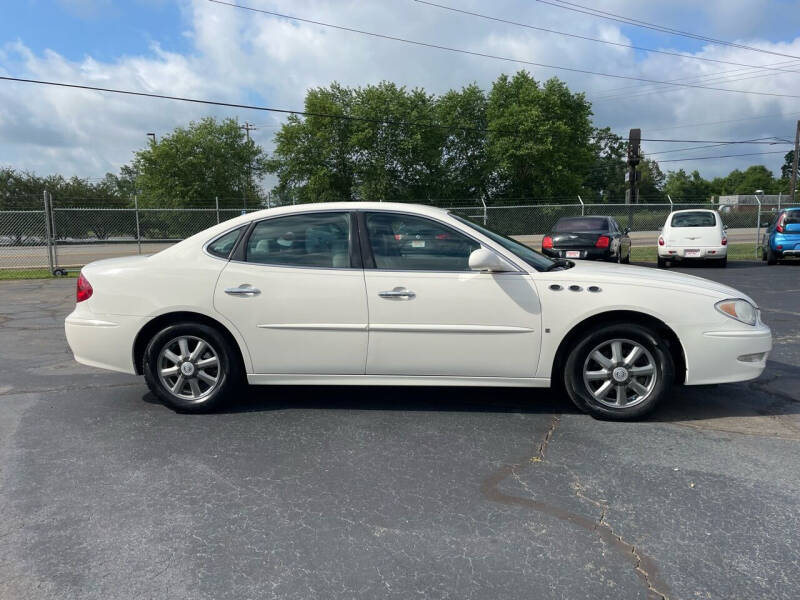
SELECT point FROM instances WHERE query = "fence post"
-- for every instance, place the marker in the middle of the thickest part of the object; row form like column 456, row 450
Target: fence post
column 48, row 232
column 138, row 233
column 53, row 229
column 581, row 201
column 216, row 203
column 485, row 213
column 758, row 222
column 671, row 206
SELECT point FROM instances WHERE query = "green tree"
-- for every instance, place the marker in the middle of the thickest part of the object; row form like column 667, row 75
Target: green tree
column 651, row 182
column 605, row 178
column 788, row 165
column 194, row 164
column 540, row 137
column 687, row 188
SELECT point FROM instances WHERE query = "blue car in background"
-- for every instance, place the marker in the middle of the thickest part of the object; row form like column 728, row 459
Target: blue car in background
column 782, row 237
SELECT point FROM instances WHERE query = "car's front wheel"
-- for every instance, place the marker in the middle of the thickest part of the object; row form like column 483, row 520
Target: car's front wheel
column 619, row 372
column 191, row 367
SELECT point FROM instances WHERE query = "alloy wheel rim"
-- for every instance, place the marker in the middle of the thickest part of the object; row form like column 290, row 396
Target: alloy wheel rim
column 189, row 368
column 620, row 373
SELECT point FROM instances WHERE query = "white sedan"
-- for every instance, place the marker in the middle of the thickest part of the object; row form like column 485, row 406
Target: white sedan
column 398, row 294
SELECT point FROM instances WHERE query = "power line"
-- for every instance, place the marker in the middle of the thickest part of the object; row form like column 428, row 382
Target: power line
column 720, row 156
column 704, row 146
column 783, row 116
column 644, row 24
column 333, row 116
column 496, row 57
column 704, row 79
column 598, row 40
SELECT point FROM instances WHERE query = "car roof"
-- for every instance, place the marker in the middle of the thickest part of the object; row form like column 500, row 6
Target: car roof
column 422, row 209
column 684, row 210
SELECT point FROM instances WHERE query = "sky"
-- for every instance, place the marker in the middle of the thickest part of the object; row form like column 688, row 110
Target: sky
column 201, row 49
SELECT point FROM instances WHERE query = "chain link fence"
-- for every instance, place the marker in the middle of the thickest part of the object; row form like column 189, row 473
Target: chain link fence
column 41, row 235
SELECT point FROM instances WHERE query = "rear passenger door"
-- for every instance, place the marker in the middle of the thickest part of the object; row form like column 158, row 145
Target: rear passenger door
column 295, row 290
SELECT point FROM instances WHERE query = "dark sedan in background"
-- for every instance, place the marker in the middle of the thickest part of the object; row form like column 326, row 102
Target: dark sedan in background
column 599, row 238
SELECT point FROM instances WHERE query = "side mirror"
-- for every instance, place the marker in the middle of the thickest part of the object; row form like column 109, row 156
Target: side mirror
column 725, row 227
column 487, row 261
column 626, row 231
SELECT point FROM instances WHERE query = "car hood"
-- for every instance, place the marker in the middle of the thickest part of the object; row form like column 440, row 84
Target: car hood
column 590, row 272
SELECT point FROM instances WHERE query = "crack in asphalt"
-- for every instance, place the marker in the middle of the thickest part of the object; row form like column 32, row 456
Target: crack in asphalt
column 643, row 565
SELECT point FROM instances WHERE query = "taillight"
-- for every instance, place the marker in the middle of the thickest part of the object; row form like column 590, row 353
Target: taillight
column 83, row 289
column 547, row 242
column 724, row 240
column 603, row 241
column 781, row 222
column 661, row 240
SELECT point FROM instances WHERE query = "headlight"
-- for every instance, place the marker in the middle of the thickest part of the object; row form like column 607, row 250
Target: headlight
column 741, row 310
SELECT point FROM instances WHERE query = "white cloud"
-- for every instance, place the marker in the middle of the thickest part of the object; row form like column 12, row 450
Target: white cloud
column 240, row 56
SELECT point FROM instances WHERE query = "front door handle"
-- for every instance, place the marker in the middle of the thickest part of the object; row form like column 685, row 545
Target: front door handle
column 243, row 290
column 398, row 293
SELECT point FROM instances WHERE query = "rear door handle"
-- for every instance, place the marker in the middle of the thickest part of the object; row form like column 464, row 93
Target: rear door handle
column 243, row 290
column 398, row 293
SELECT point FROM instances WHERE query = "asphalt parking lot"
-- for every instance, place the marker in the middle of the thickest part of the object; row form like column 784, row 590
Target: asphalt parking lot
column 392, row 493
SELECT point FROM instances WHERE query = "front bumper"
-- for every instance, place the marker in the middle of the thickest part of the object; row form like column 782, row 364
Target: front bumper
column 725, row 356
column 104, row 341
column 692, row 253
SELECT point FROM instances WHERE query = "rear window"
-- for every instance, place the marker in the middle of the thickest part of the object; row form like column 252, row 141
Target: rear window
column 694, row 219
column 792, row 217
column 223, row 245
column 581, row 224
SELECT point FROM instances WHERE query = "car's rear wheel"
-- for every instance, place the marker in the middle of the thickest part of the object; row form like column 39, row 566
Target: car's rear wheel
column 619, row 372
column 662, row 263
column 772, row 257
column 191, row 367
column 627, row 258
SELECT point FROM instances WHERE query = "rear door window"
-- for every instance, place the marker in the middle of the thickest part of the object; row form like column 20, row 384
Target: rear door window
column 305, row 240
column 694, row 219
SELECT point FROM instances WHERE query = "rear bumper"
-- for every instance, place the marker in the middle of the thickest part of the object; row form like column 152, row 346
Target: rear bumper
column 103, row 341
column 704, row 253
column 585, row 253
column 726, row 356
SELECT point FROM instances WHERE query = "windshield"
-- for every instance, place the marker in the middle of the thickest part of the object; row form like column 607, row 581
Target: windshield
column 581, row 224
column 531, row 257
column 694, row 219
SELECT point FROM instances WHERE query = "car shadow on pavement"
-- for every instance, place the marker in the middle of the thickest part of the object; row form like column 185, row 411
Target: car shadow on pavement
column 769, row 404
column 395, row 398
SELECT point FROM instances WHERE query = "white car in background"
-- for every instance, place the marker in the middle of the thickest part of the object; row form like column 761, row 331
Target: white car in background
column 398, row 294
column 693, row 234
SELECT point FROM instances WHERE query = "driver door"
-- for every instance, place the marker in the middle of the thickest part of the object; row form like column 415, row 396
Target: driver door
column 430, row 315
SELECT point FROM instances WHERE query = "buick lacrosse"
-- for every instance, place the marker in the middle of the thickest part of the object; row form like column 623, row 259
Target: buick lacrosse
column 398, row 294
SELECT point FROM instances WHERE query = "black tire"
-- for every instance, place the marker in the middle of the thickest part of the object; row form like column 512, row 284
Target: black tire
column 772, row 258
column 657, row 355
column 228, row 372
column 662, row 264
column 722, row 263
column 763, row 254
column 627, row 259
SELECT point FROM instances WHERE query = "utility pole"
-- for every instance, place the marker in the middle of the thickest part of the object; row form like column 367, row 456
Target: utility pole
column 794, row 166
column 247, row 128
column 152, row 136
column 634, row 156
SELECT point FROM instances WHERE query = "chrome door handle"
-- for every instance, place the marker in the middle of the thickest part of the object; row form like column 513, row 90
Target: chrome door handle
column 243, row 290
column 399, row 293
